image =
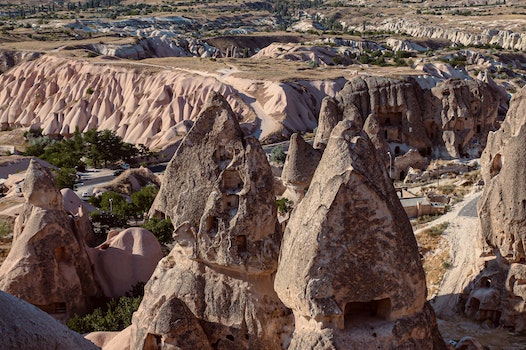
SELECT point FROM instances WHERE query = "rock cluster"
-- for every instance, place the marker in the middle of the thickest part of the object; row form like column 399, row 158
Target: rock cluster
column 50, row 264
column 349, row 272
column 498, row 293
column 451, row 119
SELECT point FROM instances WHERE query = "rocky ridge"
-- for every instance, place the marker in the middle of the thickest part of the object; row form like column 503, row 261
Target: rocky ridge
column 59, row 95
column 504, row 38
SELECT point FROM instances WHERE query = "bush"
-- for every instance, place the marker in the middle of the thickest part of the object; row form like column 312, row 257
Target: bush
column 277, row 155
column 115, row 316
column 162, row 229
column 284, row 205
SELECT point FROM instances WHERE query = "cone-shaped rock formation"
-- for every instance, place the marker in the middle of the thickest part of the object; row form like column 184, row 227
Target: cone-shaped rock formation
column 218, row 191
column 349, row 266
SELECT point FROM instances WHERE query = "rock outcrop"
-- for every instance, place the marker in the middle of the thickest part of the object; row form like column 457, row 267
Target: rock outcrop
column 451, row 119
column 125, row 259
column 299, row 167
column 217, row 282
column 349, row 266
column 498, row 293
column 24, row 326
column 48, row 265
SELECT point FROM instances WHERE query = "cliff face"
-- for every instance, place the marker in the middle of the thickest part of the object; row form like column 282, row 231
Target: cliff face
column 498, row 293
column 59, row 95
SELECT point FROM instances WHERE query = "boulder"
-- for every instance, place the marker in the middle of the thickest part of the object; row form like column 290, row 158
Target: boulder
column 26, row 327
column 48, row 265
column 349, row 266
column 125, row 259
column 299, row 166
column 216, row 283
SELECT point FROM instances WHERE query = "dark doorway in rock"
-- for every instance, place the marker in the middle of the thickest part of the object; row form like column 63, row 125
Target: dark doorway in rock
column 397, row 151
column 402, row 174
column 241, row 243
column 356, row 312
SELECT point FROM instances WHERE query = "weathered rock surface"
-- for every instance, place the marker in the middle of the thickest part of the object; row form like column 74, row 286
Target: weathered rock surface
column 451, row 119
column 299, row 167
column 498, row 294
column 349, row 266
column 23, row 326
column 125, row 259
column 217, row 281
column 48, row 265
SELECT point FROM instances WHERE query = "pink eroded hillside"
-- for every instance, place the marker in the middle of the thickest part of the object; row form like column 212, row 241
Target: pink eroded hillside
column 148, row 106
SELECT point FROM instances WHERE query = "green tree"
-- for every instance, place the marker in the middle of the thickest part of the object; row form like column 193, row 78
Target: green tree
column 144, row 198
column 161, row 228
column 65, row 178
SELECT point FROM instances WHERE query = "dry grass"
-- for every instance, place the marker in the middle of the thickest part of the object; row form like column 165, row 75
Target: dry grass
column 435, row 251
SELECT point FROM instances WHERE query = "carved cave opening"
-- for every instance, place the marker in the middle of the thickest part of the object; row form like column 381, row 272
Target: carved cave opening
column 241, row 243
column 496, row 165
column 222, row 156
column 152, row 342
column 232, row 181
column 212, row 225
column 355, row 312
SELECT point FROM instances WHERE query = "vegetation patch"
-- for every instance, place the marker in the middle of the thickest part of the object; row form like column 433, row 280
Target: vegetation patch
column 434, row 251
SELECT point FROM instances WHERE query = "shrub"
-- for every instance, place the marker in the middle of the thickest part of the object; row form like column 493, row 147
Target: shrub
column 277, row 155
column 114, row 316
column 89, row 91
column 284, row 205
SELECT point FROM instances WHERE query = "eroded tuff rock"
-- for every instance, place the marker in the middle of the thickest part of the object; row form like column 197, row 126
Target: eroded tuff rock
column 48, row 265
column 299, row 167
column 218, row 191
column 146, row 107
column 451, row 119
column 498, row 293
column 24, row 326
column 349, row 266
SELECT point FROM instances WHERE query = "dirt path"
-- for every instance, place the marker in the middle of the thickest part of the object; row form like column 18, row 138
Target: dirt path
column 462, row 238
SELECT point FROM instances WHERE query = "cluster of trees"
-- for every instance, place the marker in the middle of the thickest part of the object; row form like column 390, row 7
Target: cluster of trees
column 95, row 147
column 116, row 211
